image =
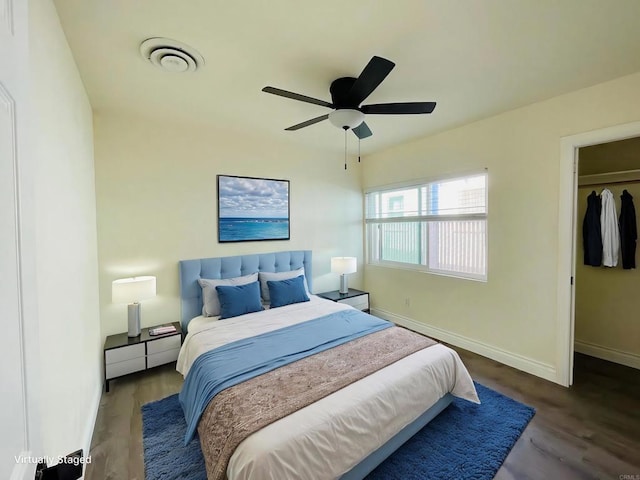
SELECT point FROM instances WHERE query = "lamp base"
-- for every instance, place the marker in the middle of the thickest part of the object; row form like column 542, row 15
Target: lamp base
column 134, row 319
column 344, row 288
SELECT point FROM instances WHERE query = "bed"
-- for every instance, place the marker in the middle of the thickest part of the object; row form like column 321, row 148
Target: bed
column 343, row 434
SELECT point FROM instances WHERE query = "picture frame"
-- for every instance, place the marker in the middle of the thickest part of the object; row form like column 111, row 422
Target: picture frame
column 252, row 209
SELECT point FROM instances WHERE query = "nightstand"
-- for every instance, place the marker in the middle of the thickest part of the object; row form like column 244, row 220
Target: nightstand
column 124, row 355
column 356, row 298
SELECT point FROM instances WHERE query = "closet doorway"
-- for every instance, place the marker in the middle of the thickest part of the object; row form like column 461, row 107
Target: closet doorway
column 607, row 299
column 569, row 242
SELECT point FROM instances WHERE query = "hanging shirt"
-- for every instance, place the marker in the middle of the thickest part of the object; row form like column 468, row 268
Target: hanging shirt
column 609, row 227
column 628, row 231
column 591, row 231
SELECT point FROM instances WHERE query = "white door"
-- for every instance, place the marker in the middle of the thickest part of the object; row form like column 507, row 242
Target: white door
column 15, row 442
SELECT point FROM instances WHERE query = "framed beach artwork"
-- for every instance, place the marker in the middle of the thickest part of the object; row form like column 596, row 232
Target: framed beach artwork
column 252, row 209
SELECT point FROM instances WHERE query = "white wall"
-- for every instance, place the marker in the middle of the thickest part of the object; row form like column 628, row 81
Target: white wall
column 157, row 204
column 513, row 316
column 66, row 243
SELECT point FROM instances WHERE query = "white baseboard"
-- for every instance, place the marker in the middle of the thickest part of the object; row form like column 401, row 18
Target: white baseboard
column 610, row 354
column 526, row 364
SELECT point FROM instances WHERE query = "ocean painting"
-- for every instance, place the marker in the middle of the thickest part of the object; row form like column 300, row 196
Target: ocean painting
column 251, row 209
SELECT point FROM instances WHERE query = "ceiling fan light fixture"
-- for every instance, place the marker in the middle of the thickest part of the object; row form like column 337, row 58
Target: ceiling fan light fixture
column 346, row 118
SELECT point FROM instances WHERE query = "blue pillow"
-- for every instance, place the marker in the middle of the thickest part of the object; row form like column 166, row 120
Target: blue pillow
column 286, row 292
column 238, row 300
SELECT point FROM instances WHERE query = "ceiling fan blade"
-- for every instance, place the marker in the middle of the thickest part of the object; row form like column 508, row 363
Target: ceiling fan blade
column 399, row 108
column 296, row 96
column 373, row 74
column 362, row 131
column 308, row 122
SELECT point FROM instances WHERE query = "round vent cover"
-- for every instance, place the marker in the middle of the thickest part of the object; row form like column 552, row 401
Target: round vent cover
column 171, row 55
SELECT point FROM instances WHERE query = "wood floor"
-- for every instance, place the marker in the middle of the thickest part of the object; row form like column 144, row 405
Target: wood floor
column 589, row 431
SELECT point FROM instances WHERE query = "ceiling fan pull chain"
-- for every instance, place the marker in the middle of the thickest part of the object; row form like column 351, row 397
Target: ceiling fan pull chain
column 358, row 149
column 345, row 148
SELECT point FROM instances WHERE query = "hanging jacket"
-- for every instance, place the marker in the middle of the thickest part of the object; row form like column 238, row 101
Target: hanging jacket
column 628, row 231
column 591, row 232
column 609, row 228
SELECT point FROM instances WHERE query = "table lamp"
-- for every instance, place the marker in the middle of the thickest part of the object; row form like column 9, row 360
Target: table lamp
column 131, row 291
column 344, row 266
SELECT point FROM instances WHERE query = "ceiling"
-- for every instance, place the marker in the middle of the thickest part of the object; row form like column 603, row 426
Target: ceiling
column 476, row 58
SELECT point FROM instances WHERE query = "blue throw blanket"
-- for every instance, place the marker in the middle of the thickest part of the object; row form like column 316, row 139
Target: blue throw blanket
column 235, row 362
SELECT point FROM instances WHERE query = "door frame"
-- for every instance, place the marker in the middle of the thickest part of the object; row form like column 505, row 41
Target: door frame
column 568, row 238
column 20, row 168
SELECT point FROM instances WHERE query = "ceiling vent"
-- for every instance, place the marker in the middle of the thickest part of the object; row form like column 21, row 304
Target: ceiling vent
column 171, row 55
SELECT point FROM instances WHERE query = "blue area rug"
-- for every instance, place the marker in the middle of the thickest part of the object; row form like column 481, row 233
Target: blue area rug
column 466, row 441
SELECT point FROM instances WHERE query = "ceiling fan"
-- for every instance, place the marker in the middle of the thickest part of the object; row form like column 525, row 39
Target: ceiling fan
column 347, row 93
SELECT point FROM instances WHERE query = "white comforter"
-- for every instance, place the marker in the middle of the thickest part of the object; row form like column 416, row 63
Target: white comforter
column 329, row 437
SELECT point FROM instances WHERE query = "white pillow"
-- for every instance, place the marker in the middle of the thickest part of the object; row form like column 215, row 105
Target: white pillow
column 210, row 300
column 276, row 277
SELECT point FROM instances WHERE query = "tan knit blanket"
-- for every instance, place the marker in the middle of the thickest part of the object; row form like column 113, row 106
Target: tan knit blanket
column 237, row 412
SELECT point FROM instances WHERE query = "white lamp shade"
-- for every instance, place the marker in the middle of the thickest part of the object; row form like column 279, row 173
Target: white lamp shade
column 346, row 118
column 131, row 290
column 344, row 265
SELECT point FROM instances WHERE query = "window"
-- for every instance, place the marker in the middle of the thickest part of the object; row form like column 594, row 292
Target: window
column 439, row 227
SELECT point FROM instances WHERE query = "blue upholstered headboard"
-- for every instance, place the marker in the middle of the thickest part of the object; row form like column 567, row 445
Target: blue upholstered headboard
column 229, row 267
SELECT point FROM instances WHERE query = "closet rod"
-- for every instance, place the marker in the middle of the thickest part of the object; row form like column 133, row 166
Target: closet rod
column 604, row 184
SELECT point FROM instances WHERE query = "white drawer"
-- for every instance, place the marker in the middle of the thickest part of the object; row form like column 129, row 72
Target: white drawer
column 361, row 302
column 163, row 344
column 121, row 354
column 163, row 357
column 122, row 368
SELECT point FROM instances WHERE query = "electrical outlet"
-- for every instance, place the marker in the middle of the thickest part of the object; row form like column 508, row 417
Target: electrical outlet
column 407, row 302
